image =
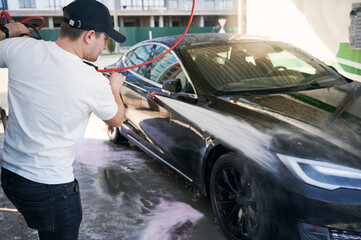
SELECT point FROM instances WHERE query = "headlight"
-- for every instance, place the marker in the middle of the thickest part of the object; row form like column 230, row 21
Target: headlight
column 322, row 174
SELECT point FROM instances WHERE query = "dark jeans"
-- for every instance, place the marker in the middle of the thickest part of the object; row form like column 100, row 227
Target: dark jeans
column 54, row 210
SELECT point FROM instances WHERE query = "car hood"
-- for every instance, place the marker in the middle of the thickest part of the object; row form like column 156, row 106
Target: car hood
column 325, row 123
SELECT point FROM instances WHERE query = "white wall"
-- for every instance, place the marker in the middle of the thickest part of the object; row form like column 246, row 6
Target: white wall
column 317, row 26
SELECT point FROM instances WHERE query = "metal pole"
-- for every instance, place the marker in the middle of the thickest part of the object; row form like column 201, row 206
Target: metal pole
column 241, row 15
column 116, row 25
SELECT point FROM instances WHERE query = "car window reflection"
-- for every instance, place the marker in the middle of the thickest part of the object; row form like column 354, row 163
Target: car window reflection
column 258, row 65
column 167, row 68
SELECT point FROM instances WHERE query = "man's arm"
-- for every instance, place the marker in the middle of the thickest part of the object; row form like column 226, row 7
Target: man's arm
column 15, row 29
column 116, row 82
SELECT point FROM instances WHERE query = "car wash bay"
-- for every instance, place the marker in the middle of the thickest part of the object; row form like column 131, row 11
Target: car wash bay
column 125, row 195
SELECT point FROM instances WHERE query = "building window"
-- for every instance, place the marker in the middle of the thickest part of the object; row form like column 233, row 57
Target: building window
column 176, row 24
column 226, row 4
column 209, row 4
column 55, row 4
column 27, row 3
column 172, row 4
column 189, row 4
column 5, row 3
column 143, row 4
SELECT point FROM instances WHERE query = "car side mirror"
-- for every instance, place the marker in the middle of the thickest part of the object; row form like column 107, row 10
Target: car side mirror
column 172, row 85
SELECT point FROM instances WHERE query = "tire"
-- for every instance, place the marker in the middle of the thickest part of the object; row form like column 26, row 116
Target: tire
column 114, row 136
column 238, row 199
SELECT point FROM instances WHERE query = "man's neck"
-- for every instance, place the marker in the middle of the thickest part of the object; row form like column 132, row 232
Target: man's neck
column 70, row 46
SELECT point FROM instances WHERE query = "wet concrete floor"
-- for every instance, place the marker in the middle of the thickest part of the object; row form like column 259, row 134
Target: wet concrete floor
column 125, row 195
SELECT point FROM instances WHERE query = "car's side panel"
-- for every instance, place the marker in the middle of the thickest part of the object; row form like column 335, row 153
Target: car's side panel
column 175, row 137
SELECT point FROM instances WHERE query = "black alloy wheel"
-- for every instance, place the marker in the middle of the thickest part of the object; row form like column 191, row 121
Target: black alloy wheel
column 238, row 201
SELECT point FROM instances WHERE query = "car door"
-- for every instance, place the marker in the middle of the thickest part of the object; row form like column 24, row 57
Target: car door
column 133, row 87
column 172, row 138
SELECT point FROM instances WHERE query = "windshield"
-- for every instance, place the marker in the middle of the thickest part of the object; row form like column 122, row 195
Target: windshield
column 256, row 65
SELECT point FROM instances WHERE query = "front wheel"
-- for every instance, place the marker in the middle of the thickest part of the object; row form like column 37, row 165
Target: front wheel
column 114, row 135
column 240, row 205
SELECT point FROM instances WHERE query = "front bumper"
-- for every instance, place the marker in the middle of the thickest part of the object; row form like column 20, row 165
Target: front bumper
column 312, row 213
column 314, row 232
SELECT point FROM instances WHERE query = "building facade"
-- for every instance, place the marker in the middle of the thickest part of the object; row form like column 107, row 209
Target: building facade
column 134, row 13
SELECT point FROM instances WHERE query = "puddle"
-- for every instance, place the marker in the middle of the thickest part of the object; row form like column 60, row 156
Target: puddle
column 171, row 220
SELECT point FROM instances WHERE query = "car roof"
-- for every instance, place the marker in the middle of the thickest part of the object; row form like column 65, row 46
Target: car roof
column 203, row 38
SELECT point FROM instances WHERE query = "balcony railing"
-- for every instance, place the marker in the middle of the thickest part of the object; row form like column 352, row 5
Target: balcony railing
column 143, row 4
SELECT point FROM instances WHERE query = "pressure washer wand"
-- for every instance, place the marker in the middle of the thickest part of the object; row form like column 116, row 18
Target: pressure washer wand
column 124, row 73
column 107, row 73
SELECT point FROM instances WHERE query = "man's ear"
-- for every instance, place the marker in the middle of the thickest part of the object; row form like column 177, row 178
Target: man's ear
column 89, row 36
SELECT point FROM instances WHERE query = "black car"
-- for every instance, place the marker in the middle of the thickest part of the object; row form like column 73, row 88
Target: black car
column 270, row 134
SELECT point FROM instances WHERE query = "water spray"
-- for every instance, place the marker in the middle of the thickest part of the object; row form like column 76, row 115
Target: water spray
column 236, row 133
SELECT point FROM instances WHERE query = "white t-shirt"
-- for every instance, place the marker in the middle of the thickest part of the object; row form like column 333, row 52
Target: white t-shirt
column 51, row 96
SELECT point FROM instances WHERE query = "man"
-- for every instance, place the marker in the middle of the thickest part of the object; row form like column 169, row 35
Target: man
column 12, row 30
column 51, row 96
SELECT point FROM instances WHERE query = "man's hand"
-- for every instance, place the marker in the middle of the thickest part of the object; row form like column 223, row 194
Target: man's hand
column 116, row 80
column 16, row 28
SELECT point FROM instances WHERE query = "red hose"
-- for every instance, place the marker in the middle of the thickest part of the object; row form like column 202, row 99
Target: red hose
column 155, row 59
column 8, row 17
column 35, row 17
column 5, row 15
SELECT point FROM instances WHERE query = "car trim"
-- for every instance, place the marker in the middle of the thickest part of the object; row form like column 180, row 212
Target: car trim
column 161, row 159
column 194, row 95
column 136, row 86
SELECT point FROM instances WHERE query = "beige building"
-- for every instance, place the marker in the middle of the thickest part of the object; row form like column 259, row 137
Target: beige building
column 135, row 13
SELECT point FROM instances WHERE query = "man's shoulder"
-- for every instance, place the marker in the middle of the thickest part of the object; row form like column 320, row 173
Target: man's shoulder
column 85, row 73
column 90, row 70
column 22, row 43
column 19, row 40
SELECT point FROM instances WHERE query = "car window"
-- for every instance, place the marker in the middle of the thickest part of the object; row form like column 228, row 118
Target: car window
column 167, row 68
column 288, row 60
column 138, row 56
column 258, row 65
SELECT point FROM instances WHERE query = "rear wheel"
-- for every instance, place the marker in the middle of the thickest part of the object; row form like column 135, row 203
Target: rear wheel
column 240, row 205
column 114, row 135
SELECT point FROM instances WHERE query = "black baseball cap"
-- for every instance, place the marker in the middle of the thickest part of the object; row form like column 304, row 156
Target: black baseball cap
column 92, row 15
